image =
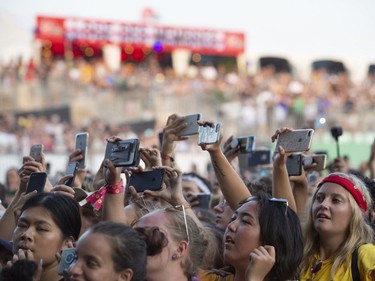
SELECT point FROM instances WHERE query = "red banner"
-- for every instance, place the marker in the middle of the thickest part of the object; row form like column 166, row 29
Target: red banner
column 165, row 38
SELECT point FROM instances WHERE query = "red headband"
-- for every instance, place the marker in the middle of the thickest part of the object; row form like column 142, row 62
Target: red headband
column 349, row 186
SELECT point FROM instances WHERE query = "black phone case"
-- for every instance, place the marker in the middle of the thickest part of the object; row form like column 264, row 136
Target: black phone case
column 294, row 164
column 259, row 157
column 82, row 144
column 36, row 182
column 148, row 180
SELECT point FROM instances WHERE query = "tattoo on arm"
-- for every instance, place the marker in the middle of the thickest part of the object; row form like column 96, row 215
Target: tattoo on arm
column 217, row 169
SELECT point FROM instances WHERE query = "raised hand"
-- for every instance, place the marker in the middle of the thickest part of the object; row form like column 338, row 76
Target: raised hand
column 261, row 261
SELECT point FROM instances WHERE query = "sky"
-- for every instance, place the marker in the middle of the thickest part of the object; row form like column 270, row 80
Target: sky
column 301, row 30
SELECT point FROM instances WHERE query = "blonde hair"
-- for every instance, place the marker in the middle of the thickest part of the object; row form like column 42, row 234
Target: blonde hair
column 359, row 231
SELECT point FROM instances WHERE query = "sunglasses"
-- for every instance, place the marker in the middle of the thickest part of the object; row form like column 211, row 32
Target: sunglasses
column 143, row 205
column 315, row 269
column 276, row 201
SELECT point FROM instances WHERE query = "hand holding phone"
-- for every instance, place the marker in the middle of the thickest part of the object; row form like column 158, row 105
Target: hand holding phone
column 36, row 151
column 294, row 164
column 246, row 144
column 36, row 182
column 296, row 140
column 192, row 125
column 147, row 180
column 81, row 143
column 68, row 256
column 123, row 153
column 209, row 134
column 71, row 170
column 319, row 159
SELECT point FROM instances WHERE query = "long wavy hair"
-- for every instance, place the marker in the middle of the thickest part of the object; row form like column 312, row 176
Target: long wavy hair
column 358, row 232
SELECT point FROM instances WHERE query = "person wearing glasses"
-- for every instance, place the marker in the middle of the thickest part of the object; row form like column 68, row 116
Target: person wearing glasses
column 338, row 241
column 175, row 241
column 263, row 240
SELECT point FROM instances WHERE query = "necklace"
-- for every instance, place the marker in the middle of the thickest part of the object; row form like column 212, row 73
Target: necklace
column 315, row 268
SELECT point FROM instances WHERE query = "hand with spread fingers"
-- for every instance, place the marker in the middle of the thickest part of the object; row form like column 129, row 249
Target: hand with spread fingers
column 171, row 191
column 151, row 157
column 174, row 124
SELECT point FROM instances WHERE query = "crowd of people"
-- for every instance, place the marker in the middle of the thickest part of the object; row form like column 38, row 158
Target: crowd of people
column 232, row 223
column 100, row 99
column 270, row 227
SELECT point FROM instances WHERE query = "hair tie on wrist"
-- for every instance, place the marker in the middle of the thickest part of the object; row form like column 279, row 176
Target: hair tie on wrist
column 166, row 157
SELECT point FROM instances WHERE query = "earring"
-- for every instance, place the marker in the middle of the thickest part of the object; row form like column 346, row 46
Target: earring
column 174, row 257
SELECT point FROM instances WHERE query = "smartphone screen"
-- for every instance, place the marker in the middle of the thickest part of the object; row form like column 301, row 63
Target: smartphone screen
column 36, row 182
column 82, row 144
column 36, row 151
column 71, row 170
column 124, row 153
column 192, row 125
column 148, row 180
column 294, row 164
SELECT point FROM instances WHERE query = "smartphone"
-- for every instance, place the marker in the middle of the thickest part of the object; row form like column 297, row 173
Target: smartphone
column 294, row 164
column 209, row 134
column 204, row 200
column 192, row 125
column 295, row 141
column 71, row 170
column 147, row 180
column 246, row 144
column 321, row 161
column 36, row 151
column 36, row 182
column 259, row 157
column 124, row 153
column 82, row 144
column 68, row 256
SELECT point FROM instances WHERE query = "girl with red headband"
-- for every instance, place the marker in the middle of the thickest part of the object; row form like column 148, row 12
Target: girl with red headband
column 338, row 239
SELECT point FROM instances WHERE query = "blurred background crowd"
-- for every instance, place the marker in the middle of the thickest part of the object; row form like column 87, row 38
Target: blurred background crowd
column 49, row 99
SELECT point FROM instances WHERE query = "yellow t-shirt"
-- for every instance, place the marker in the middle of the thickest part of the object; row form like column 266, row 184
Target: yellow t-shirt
column 366, row 264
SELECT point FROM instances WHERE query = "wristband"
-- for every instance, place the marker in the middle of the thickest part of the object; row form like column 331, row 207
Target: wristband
column 166, row 157
column 96, row 199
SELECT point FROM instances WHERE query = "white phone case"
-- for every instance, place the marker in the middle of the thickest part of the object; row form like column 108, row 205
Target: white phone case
column 295, row 141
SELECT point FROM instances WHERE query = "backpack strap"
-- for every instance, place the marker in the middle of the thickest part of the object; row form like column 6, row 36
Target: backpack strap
column 355, row 270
